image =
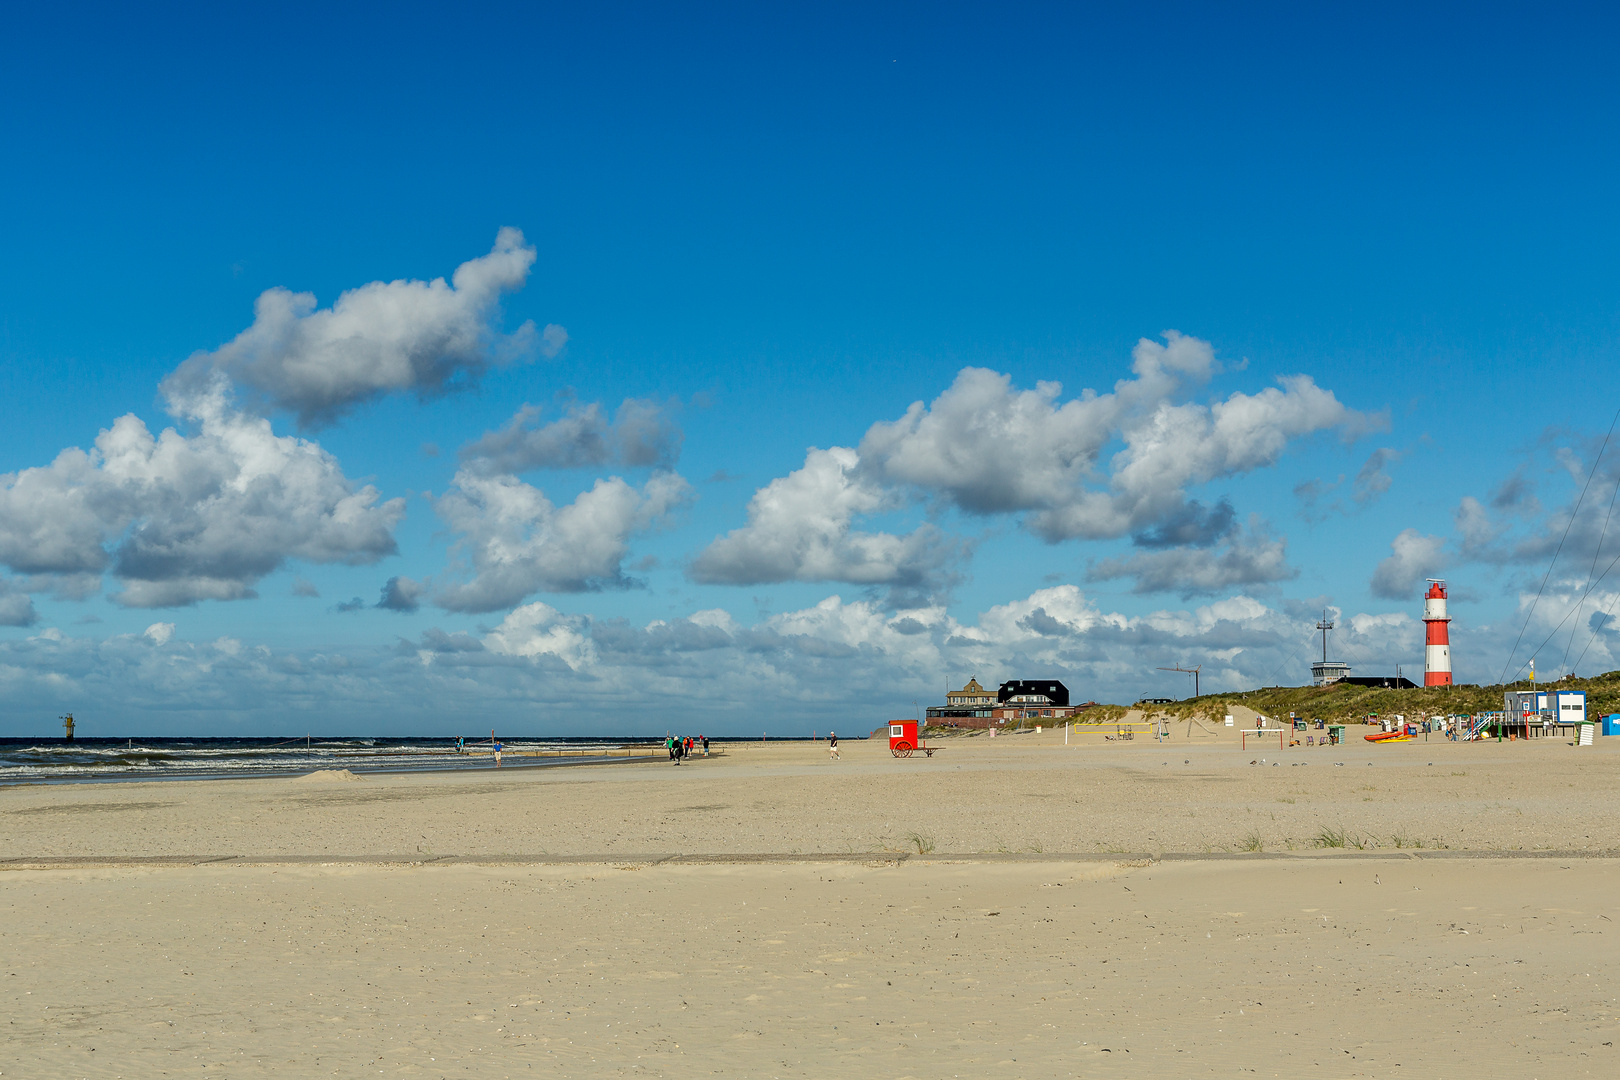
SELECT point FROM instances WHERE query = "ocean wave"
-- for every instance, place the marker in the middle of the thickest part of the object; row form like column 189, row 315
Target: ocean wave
column 31, row 760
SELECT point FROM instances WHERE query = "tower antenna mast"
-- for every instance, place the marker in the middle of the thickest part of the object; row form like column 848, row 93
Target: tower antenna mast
column 1325, row 625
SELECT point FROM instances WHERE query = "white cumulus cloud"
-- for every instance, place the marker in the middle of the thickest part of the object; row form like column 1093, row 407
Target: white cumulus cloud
column 540, row 630
column 640, row 434
column 1413, row 557
column 514, row 542
column 1245, row 559
column 180, row 518
column 401, row 594
column 988, row 448
column 800, row 529
column 985, row 447
column 426, row 337
column 16, row 606
column 1176, row 446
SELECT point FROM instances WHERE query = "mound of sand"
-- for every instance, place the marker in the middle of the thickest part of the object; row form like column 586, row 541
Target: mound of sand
column 321, row 776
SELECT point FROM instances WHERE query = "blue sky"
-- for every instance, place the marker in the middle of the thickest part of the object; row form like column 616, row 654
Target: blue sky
column 1385, row 237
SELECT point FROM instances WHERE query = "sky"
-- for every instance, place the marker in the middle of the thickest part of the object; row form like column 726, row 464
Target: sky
column 739, row 369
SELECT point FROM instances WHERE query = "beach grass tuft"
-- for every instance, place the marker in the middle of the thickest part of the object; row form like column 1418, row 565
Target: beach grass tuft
column 1341, row 837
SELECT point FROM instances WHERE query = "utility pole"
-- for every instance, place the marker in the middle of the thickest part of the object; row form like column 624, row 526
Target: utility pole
column 1193, row 671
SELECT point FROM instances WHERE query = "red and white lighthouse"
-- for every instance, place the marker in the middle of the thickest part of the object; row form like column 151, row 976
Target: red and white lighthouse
column 1437, row 641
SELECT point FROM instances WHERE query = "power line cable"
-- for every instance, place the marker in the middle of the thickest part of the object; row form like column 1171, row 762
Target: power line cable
column 1576, row 626
column 1568, row 613
column 1573, row 515
column 1347, row 648
column 1352, row 651
column 1607, row 612
column 1278, row 669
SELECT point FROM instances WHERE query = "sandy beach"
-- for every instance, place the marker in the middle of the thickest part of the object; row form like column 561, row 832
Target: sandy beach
column 1009, row 907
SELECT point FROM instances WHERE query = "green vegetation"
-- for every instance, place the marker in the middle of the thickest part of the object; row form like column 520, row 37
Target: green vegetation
column 1340, row 703
column 1101, row 714
column 1337, row 704
column 1338, row 838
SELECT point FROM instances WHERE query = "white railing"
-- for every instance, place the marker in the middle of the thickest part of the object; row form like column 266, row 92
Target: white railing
column 1476, row 725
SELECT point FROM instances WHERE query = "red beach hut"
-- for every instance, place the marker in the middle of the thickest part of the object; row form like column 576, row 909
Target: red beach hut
column 902, row 737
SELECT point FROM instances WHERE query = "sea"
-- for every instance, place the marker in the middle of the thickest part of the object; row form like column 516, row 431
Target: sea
column 90, row 759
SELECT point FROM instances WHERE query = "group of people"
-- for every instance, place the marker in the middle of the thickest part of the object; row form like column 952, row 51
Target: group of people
column 495, row 748
column 685, row 746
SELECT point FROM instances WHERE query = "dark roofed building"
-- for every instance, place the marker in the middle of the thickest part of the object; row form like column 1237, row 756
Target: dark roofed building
column 1020, row 699
column 1033, row 692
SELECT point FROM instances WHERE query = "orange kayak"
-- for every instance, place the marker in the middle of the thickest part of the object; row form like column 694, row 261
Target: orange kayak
column 1389, row 736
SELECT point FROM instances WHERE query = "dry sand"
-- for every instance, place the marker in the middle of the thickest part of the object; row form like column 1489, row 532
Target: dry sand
column 434, row 925
column 1009, row 794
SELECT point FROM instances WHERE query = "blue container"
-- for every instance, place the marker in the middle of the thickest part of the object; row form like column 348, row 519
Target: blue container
column 1611, row 724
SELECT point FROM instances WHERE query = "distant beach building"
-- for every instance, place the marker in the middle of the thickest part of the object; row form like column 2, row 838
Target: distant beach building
column 1524, row 702
column 1383, row 682
column 1567, row 706
column 973, row 706
column 1557, row 706
column 1033, row 692
column 969, row 707
column 970, row 696
column 1326, row 672
column 1329, row 672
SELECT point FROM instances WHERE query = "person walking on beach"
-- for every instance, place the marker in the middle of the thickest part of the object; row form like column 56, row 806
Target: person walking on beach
column 832, row 745
column 705, row 746
column 497, row 755
column 461, row 744
column 669, row 744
